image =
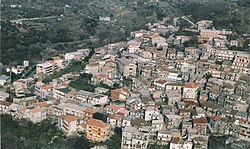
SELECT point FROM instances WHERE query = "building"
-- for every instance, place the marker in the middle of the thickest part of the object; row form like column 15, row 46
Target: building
column 120, row 94
column 35, row 115
column 200, row 124
column 46, row 68
column 210, row 34
column 3, row 95
column 4, row 107
column 98, row 99
column 25, row 100
column 73, row 56
column 68, row 124
column 97, row 131
column 241, row 62
column 190, row 90
column 126, row 67
column 60, row 93
column 133, row 138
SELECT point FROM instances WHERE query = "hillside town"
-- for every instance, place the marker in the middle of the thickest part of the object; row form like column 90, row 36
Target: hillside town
column 164, row 85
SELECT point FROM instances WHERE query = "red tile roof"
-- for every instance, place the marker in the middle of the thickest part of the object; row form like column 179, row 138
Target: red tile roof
column 175, row 140
column 114, row 117
column 113, row 107
column 97, row 123
column 36, row 110
column 47, row 86
column 5, row 103
column 42, row 104
column 70, row 118
column 201, row 120
column 89, row 111
column 190, row 85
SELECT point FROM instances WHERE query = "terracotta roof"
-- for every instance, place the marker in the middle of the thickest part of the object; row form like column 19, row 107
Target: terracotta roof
column 90, row 111
column 36, row 110
column 190, row 85
column 106, row 68
column 201, row 120
column 47, row 86
column 23, row 109
column 114, row 117
column 161, row 81
column 113, row 107
column 216, row 118
column 97, row 123
column 70, row 118
column 5, row 103
column 175, row 140
column 42, row 104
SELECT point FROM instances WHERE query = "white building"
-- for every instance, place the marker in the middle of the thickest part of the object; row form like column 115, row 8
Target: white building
column 133, row 138
column 126, row 67
column 73, row 56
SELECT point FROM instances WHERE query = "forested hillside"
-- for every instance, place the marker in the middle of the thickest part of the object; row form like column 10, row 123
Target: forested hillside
column 73, row 23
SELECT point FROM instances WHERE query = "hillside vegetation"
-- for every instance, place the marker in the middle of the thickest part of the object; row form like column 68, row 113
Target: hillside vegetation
column 75, row 23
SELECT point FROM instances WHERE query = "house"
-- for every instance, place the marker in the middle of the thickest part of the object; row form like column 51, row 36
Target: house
column 133, row 46
column 114, row 121
column 25, row 99
column 200, row 124
column 46, row 68
column 4, row 95
column 220, row 124
column 173, row 96
column 126, row 121
column 160, row 84
column 112, row 109
column 120, row 94
column 190, row 90
column 92, row 68
column 73, row 56
column 210, row 34
column 174, row 86
column 126, row 67
column 97, row 131
column 158, row 41
column 68, row 124
column 173, row 120
column 71, row 109
column 4, row 107
column 98, row 99
column 4, row 79
column 107, row 69
column 200, row 141
column 210, row 107
column 171, row 54
column 44, row 105
column 134, row 138
column 35, row 115
column 88, row 113
column 150, row 112
column 83, row 96
column 175, row 143
column 60, row 93
column 46, row 90
column 157, row 123
column 241, row 62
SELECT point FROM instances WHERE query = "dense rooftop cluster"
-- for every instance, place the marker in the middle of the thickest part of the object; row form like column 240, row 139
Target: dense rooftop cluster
column 158, row 87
